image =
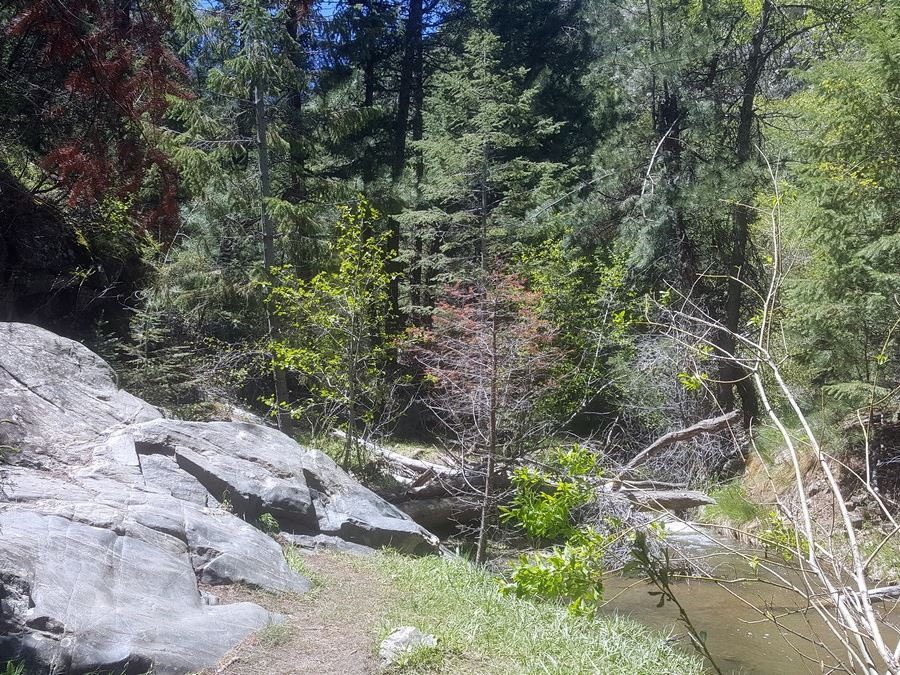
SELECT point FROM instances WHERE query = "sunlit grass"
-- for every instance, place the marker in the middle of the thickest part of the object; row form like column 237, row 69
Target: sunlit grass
column 479, row 630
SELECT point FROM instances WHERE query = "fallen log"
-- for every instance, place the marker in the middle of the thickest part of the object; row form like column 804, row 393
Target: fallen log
column 651, row 485
column 708, row 426
column 884, row 593
column 413, row 466
column 455, row 485
column 431, row 513
column 667, row 500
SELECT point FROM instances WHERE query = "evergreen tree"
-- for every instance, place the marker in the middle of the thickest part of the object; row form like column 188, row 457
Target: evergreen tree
column 242, row 54
column 680, row 175
column 843, row 219
column 479, row 182
column 86, row 86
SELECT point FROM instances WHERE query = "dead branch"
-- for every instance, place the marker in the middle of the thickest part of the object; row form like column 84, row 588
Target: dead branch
column 708, row 426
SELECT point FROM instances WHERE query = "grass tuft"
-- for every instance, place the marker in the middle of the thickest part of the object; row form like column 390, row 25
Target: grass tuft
column 274, row 635
column 732, row 506
column 420, row 660
column 295, row 560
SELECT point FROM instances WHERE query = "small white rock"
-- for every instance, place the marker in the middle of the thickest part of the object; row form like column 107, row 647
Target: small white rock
column 402, row 641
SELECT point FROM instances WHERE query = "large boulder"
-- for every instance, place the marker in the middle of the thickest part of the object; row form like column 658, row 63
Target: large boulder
column 112, row 517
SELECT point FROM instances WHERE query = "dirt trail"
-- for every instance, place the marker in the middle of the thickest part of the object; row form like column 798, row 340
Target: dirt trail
column 329, row 631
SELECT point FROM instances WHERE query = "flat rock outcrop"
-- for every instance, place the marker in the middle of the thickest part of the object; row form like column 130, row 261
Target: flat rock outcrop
column 113, row 518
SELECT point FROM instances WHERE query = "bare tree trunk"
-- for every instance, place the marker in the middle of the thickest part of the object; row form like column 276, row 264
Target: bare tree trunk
column 268, row 233
column 352, row 353
column 488, row 497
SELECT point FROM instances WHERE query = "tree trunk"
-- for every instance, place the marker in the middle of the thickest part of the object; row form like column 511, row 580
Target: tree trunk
column 418, row 102
column 732, row 375
column 296, row 10
column 419, row 297
column 412, row 47
column 352, row 355
column 369, row 60
column 268, row 233
column 483, row 214
column 488, row 497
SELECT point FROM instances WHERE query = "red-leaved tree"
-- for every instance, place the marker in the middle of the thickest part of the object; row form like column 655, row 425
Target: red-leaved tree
column 489, row 360
column 112, row 73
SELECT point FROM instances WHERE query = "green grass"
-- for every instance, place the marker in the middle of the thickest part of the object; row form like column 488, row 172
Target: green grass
column 419, row 660
column 732, row 506
column 331, row 446
column 481, row 631
column 419, row 450
column 294, row 559
column 769, row 442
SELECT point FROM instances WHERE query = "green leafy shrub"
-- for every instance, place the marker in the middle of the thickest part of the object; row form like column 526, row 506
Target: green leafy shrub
column 573, row 571
column 544, row 501
column 783, row 537
column 335, row 337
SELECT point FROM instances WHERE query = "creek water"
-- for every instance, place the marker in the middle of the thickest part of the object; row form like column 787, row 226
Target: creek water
column 740, row 640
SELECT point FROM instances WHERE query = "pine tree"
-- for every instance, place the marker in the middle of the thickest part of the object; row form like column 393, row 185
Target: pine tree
column 244, row 57
column 690, row 159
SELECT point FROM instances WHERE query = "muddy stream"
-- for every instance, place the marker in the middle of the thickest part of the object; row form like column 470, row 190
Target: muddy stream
column 739, row 639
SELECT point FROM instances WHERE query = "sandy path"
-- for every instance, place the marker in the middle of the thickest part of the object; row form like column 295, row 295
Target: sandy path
column 330, row 631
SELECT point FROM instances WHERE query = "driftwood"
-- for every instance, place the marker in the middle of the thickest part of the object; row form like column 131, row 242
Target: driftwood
column 885, row 593
column 651, row 485
column 709, row 426
column 455, row 485
column 434, row 494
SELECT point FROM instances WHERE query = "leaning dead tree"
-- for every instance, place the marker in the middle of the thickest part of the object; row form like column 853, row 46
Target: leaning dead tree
column 824, row 564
